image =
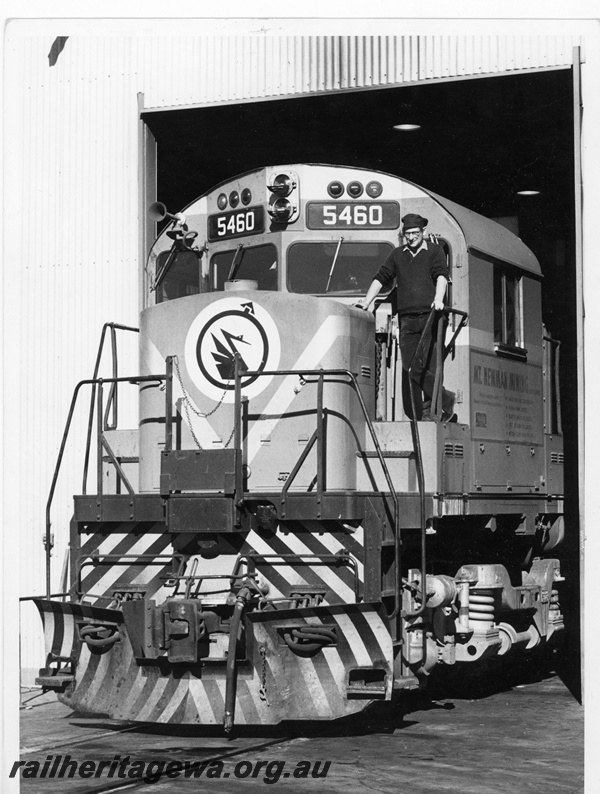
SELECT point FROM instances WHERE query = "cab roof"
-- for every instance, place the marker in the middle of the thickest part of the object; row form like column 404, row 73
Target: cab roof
column 490, row 238
column 481, row 234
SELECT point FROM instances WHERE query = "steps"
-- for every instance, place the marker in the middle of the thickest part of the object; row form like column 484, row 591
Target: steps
column 395, row 440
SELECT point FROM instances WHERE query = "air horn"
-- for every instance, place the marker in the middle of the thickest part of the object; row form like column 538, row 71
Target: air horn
column 158, row 212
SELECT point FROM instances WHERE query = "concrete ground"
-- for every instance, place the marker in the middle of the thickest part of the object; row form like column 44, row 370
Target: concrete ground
column 527, row 739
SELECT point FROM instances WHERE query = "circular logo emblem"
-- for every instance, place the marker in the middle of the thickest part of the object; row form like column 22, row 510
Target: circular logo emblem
column 225, row 328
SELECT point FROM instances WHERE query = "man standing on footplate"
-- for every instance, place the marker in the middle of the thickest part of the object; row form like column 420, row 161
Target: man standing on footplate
column 421, row 273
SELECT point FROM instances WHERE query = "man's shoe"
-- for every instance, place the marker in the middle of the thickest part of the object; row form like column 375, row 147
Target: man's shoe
column 453, row 418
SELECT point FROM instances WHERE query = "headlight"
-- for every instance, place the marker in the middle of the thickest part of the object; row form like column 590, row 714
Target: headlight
column 281, row 210
column 282, row 185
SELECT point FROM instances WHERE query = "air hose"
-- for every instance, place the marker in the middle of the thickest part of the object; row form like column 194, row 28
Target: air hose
column 99, row 636
column 307, row 639
column 230, row 677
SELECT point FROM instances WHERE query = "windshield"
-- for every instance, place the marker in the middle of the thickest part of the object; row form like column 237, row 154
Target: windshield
column 336, row 267
column 181, row 279
column 258, row 263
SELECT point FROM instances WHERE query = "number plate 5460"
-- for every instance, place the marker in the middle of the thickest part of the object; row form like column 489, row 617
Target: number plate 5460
column 353, row 215
column 238, row 223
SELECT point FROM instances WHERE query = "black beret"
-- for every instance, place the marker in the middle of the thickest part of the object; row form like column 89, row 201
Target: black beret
column 409, row 221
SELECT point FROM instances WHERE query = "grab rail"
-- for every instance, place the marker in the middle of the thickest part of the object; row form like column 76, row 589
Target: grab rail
column 88, row 382
column 441, row 355
column 112, row 401
column 318, row 439
column 553, row 398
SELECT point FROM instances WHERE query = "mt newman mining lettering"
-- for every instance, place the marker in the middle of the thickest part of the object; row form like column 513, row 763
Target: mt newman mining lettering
column 500, row 379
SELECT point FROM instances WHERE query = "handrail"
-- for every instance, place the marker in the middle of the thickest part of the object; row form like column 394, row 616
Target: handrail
column 298, row 464
column 556, row 393
column 414, row 426
column 112, row 398
column 557, row 388
column 463, row 321
column 320, row 373
column 237, row 433
column 88, row 382
column 95, row 558
column 436, row 402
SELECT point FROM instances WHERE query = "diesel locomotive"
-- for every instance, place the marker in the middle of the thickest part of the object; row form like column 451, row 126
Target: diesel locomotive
column 277, row 539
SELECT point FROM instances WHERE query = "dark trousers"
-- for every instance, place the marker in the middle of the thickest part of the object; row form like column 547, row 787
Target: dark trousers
column 423, row 371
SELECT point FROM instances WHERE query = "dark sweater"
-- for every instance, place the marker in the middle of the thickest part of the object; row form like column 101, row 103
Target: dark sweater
column 415, row 276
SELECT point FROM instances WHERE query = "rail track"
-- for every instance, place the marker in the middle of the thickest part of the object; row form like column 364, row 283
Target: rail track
column 453, row 744
column 80, row 738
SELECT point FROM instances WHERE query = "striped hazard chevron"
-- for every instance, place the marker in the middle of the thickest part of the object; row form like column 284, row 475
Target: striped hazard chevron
column 274, row 683
column 304, row 540
column 60, row 620
column 284, row 674
column 146, row 560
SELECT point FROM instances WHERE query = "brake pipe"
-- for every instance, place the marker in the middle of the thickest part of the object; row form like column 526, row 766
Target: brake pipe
column 230, row 677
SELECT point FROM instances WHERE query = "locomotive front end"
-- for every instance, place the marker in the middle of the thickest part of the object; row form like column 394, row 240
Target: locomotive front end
column 247, row 479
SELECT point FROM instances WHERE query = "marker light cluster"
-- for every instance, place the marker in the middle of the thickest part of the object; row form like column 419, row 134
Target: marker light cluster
column 224, row 201
column 285, row 201
column 354, row 189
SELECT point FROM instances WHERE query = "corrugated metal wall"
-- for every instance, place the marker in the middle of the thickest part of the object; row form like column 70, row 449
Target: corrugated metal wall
column 72, row 204
column 74, row 265
column 249, row 67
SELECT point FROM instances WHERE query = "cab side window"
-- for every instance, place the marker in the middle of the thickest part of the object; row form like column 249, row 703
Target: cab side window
column 508, row 312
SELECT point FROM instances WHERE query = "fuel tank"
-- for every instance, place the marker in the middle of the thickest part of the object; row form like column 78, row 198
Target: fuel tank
column 269, row 331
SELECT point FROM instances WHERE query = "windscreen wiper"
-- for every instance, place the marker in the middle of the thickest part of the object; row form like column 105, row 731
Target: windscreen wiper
column 236, row 262
column 337, row 251
column 182, row 241
column 165, row 268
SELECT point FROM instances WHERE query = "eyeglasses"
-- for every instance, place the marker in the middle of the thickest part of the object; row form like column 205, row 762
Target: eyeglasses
column 413, row 234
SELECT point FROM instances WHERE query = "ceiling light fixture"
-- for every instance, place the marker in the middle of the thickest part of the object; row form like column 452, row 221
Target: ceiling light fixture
column 528, row 192
column 407, row 127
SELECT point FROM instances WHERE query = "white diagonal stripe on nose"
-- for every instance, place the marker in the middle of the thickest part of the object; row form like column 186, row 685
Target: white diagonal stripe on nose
column 330, row 329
